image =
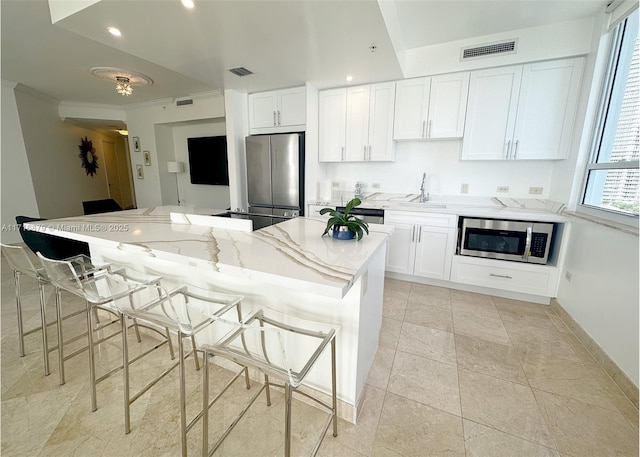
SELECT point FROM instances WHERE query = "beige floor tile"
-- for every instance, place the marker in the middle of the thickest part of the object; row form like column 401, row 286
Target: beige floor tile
column 427, row 342
column 390, row 332
column 480, row 327
column 437, row 317
column 534, row 320
column 481, row 309
column 332, row 448
column 393, row 308
column 493, row 359
column 426, row 381
column 503, row 405
column 411, row 429
column 359, row 437
column 482, row 441
column 585, row 430
column 381, row 368
column 462, row 296
column 535, row 341
column 519, row 306
column 431, row 295
column 564, row 377
column 397, row 284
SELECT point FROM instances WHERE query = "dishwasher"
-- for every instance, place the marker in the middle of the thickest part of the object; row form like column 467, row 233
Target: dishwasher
column 368, row 215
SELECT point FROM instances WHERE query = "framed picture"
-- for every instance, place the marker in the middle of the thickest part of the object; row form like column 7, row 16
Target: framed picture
column 147, row 158
column 139, row 171
column 136, row 143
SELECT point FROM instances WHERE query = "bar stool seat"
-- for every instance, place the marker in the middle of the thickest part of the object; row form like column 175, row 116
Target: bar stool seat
column 188, row 312
column 280, row 349
column 99, row 289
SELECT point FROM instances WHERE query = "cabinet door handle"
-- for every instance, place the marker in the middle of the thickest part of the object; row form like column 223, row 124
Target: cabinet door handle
column 500, row 276
column 364, row 152
column 369, row 153
column 515, row 150
column 424, row 128
column 274, row 118
column 429, row 129
column 342, row 153
column 506, row 153
column 413, row 233
column 419, row 230
column 278, row 117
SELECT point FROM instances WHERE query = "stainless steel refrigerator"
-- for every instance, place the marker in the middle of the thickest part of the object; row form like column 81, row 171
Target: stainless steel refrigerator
column 275, row 177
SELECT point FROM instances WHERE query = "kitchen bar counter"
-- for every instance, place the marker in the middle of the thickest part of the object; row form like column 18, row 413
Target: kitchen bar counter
column 288, row 267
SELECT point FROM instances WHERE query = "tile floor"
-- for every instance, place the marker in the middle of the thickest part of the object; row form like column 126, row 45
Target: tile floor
column 456, row 374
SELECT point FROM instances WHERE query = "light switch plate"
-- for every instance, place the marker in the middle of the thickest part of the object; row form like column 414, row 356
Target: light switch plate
column 375, row 185
column 535, row 190
column 502, row 189
column 464, row 188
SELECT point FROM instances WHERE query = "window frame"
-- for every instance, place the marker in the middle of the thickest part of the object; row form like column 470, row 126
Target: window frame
column 605, row 96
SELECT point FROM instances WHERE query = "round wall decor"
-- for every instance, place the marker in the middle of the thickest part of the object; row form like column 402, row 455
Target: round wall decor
column 88, row 156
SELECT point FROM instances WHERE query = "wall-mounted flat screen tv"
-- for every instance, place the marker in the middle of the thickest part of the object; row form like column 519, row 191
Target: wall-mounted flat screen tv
column 208, row 162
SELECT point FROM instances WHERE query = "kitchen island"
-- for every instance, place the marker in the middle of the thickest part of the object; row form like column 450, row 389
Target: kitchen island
column 288, row 267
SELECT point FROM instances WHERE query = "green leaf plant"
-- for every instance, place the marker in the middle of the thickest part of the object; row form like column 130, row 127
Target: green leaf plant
column 353, row 223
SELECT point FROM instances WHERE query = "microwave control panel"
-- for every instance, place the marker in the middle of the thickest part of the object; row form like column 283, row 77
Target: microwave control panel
column 538, row 244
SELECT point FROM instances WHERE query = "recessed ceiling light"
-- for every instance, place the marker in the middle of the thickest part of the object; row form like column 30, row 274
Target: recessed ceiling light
column 123, row 132
column 188, row 3
column 349, row 78
column 114, row 31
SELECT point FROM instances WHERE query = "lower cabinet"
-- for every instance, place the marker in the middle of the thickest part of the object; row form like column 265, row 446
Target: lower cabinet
column 422, row 243
column 524, row 278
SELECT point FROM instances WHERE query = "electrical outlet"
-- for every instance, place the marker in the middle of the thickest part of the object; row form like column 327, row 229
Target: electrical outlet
column 335, row 184
column 502, row 189
column 375, row 185
column 568, row 275
column 464, row 188
column 535, row 190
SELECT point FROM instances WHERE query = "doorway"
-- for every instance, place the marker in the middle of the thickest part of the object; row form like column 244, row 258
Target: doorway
column 118, row 173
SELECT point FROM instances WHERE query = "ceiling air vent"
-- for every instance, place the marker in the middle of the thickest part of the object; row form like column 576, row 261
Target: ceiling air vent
column 504, row 47
column 184, row 102
column 240, row 71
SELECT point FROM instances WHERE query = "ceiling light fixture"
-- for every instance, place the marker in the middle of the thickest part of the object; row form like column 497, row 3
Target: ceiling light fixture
column 114, row 31
column 122, row 86
column 123, row 132
column 124, row 79
column 188, row 3
column 349, row 78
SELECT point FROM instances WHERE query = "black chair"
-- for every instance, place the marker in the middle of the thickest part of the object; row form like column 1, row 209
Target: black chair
column 100, row 206
column 51, row 246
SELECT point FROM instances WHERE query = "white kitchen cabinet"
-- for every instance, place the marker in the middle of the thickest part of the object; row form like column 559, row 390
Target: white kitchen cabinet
column 332, row 124
column 277, row 111
column 522, row 112
column 518, row 277
column 431, row 108
column 422, row 244
column 356, row 123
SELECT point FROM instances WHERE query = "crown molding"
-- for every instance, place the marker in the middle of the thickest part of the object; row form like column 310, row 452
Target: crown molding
column 28, row 90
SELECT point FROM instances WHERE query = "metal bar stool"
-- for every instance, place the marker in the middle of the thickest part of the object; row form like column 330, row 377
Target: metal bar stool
column 187, row 311
column 21, row 262
column 99, row 289
column 279, row 349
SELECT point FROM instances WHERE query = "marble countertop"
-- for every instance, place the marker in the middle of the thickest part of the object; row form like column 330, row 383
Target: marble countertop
column 540, row 210
column 292, row 254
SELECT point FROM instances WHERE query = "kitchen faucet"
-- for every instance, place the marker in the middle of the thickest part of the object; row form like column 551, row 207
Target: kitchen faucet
column 424, row 197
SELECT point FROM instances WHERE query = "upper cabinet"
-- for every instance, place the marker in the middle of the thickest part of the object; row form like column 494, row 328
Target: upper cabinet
column 277, row 111
column 522, row 112
column 431, row 108
column 356, row 123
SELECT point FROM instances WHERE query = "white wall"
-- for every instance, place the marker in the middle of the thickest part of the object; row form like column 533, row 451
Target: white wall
column 602, row 295
column 237, row 118
column 16, row 191
column 141, row 123
column 552, row 41
column 164, row 154
column 440, row 160
column 198, row 195
column 60, row 183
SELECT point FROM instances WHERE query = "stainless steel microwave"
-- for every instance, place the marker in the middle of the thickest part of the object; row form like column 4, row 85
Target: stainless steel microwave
column 519, row 241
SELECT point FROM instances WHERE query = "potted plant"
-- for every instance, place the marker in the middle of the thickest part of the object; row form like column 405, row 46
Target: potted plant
column 345, row 226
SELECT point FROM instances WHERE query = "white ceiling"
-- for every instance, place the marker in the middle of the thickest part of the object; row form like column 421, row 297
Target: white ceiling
column 285, row 43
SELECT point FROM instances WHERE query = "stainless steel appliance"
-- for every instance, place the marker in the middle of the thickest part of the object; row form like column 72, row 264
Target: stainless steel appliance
column 275, row 177
column 520, row 241
column 369, row 215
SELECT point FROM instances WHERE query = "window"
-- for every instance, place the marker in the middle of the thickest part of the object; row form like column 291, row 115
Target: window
column 612, row 176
